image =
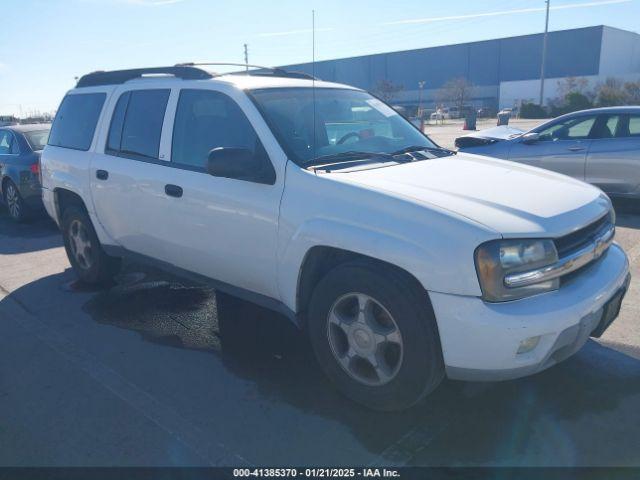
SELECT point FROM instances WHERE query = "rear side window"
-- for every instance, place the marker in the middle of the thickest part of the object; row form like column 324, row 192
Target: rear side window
column 76, row 120
column 136, row 125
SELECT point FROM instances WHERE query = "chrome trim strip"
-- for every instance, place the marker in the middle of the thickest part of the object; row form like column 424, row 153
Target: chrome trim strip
column 593, row 250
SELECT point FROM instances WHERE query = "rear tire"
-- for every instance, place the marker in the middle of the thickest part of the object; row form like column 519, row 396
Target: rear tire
column 15, row 204
column 88, row 259
column 395, row 359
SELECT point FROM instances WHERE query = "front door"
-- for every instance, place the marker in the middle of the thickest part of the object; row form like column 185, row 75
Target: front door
column 561, row 147
column 223, row 228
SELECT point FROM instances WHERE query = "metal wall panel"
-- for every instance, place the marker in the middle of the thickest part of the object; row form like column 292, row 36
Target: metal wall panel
column 570, row 53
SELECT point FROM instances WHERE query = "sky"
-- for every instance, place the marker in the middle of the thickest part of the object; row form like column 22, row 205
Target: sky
column 45, row 44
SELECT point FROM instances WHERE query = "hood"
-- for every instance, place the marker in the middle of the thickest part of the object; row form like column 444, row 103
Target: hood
column 488, row 136
column 509, row 198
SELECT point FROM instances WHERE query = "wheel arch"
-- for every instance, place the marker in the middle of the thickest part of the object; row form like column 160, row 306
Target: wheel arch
column 320, row 259
column 64, row 198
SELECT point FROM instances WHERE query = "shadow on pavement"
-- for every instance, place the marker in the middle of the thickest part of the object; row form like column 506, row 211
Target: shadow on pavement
column 577, row 413
column 627, row 212
column 39, row 233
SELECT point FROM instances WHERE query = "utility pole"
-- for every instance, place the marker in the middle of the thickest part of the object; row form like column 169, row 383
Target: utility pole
column 544, row 53
column 246, row 57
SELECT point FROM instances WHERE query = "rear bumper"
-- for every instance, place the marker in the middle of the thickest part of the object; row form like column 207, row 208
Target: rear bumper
column 480, row 340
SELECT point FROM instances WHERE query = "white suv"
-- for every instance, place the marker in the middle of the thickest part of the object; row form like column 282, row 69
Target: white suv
column 404, row 261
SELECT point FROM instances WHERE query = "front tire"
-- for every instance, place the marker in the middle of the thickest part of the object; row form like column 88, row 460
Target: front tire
column 14, row 202
column 88, row 259
column 375, row 336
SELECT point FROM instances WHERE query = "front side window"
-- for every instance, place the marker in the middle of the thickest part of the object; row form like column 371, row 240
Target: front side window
column 571, row 129
column 76, row 120
column 205, row 120
column 312, row 123
column 136, row 124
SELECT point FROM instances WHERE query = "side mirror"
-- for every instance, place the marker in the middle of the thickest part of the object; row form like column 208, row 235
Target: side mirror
column 240, row 164
column 531, row 137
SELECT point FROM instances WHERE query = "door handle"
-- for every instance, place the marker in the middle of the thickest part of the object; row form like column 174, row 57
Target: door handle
column 102, row 174
column 173, row 190
column 575, row 149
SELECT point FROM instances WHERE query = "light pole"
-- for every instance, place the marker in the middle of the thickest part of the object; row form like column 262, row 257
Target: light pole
column 421, row 85
column 544, row 53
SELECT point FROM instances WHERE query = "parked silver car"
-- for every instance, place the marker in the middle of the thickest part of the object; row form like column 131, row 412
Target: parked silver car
column 600, row 146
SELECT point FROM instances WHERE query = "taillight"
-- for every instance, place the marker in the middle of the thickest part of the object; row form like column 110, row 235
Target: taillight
column 35, row 169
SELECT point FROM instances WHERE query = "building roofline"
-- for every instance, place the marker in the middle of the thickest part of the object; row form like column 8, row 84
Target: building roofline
column 591, row 27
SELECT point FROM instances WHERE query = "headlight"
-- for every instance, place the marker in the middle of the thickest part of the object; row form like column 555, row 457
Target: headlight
column 499, row 258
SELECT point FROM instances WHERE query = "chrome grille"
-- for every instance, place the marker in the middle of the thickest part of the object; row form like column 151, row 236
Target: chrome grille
column 578, row 239
column 579, row 249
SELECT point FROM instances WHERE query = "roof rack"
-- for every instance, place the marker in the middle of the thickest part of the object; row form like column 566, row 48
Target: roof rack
column 186, row 71
column 259, row 70
column 116, row 77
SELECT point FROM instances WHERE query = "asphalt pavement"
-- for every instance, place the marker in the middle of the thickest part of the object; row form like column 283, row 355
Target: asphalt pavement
column 154, row 371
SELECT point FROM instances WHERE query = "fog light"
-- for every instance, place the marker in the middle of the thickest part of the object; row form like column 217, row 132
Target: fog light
column 528, row 344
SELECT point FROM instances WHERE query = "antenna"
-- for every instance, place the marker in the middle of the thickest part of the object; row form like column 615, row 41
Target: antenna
column 246, row 57
column 313, row 75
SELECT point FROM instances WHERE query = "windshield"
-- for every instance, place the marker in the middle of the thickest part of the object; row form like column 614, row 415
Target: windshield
column 37, row 139
column 345, row 121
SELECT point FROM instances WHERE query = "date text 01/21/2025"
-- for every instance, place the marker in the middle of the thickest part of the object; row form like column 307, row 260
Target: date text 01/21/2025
column 316, row 472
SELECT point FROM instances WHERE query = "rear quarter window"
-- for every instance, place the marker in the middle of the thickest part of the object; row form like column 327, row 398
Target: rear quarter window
column 76, row 120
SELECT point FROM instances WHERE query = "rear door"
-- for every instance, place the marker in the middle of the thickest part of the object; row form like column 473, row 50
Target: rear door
column 613, row 161
column 562, row 146
column 128, row 171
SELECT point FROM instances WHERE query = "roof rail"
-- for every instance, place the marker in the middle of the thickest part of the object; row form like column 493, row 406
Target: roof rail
column 115, row 77
column 260, row 70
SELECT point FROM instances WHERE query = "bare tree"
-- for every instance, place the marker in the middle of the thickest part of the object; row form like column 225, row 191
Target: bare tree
column 611, row 93
column 632, row 91
column 572, row 84
column 456, row 91
column 387, row 90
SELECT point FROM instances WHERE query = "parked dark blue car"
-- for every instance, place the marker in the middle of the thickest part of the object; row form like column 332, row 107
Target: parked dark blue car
column 20, row 148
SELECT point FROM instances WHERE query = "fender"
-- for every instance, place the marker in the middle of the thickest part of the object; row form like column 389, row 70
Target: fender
column 412, row 256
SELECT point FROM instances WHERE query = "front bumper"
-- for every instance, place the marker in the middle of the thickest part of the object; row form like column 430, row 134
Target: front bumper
column 480, row 340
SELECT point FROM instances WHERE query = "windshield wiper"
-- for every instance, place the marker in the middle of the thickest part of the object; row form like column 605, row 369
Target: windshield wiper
column 352, row 155
column 418, row 148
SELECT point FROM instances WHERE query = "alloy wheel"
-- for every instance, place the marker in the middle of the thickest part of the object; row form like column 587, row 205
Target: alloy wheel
column 365, row 339
column 13, row 201
column 80, row 244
